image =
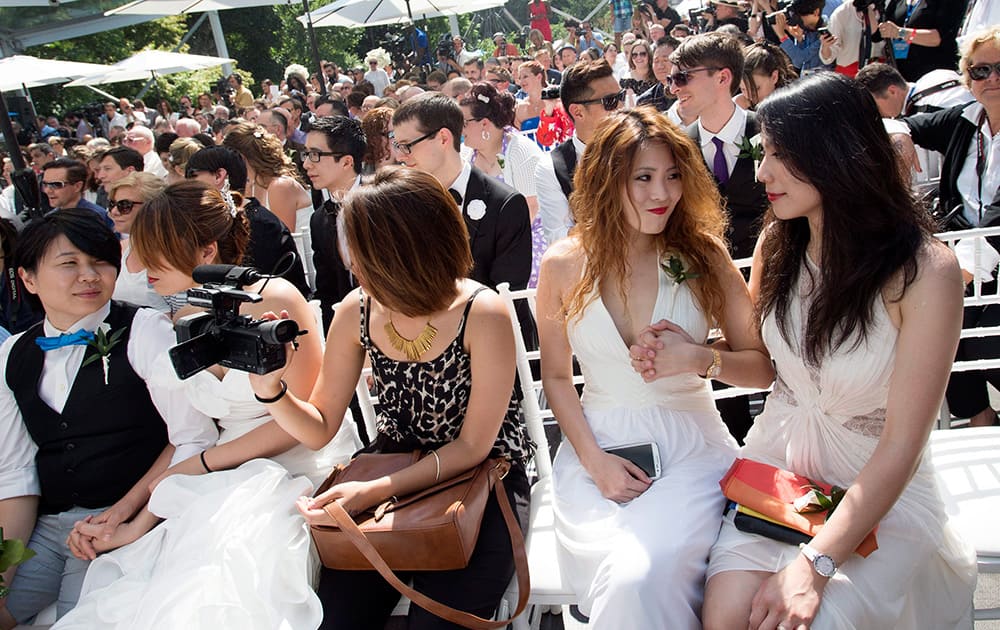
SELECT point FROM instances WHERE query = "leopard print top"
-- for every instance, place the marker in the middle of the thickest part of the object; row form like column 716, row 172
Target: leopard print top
column 423, row 403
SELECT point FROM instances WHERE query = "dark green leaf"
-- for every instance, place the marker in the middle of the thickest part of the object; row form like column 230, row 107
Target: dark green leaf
column 90, row 359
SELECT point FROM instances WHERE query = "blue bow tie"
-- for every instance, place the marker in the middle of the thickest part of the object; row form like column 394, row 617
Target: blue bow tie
column 79, row 338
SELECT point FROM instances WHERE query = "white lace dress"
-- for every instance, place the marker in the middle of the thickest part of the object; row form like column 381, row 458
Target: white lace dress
column 825, row 424
column 642, row 564
column 233, row 552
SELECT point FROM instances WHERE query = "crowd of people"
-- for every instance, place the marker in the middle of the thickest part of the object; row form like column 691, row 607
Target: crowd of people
column 620, row 174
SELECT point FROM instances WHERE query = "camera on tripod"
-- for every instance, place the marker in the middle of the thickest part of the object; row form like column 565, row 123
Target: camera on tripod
column 222, row 335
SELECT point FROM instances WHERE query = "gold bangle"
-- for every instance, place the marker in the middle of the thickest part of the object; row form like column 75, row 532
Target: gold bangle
column 716, row 366
column 437, row 466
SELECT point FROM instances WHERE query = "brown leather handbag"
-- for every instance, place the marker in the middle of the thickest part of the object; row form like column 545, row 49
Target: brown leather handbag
column 432, row 530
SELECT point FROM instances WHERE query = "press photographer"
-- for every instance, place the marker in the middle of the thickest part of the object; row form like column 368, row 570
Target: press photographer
column 848, row 45
column 797, row 27
column 723, row 12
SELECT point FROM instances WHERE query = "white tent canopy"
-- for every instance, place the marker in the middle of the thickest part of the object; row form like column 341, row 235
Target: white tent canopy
column 148, row 63
column 174, row 7
column 361, row 13
column 27, row 71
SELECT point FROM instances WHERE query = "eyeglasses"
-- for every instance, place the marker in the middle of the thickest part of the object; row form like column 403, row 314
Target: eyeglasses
column 407, row 147
column 610, row 102
column 314, row 155
column 53, row 185
column 472, row 120
column 125, row 206
column 132, row 139
column 191, row 173
column 981, row 72
column 682, row 78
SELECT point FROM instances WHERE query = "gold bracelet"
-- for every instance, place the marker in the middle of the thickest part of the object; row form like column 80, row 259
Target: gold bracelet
column 437, row 466
column 716, row 366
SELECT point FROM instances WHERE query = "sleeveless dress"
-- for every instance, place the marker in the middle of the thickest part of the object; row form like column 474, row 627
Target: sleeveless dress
column 642, row 564
column 824, row 422
column 233, row 553
column 302, row 215
column 540, row 20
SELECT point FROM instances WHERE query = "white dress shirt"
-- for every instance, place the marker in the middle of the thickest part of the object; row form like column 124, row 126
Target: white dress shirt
column 151, row 336
column 968, row 181
column 553, row 206
column 151, row 163
column 461, row 182
column 731, row 134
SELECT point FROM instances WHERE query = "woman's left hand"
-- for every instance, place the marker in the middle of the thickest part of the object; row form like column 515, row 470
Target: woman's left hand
column 662, row 349
column 888, row 30
column 789, row 599
column 353, row 496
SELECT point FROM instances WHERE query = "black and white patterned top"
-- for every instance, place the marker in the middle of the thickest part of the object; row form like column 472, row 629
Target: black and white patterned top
column 423, row 403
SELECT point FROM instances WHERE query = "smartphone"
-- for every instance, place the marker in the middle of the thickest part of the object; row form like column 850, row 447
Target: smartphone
column 823, row 31
column 646, row 456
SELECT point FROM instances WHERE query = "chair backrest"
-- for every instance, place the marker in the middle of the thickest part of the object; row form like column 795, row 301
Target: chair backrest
column 303, row 244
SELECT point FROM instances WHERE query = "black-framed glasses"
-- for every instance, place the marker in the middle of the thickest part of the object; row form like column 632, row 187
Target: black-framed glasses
column 124, row 206
column 52, row 185
column 314, row 155
column 610, row 102
column 683, row 77
column 407, row 147
column 982, row 71
column 472, row 120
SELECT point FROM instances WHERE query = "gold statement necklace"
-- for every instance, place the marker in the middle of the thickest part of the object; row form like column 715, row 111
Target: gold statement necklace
column 412, row 348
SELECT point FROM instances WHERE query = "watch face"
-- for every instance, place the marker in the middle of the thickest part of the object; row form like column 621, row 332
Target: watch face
column 825, row 565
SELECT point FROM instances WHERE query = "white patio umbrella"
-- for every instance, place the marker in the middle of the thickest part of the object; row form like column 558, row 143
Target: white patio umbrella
column 175, row 7
column 27, row 71
column 150, row 63
column 360, row 13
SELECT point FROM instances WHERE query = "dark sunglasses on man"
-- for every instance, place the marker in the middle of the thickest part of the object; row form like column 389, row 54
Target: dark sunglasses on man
column 982, row 71
column 683, row 77
column 124, row 206
column 610, row 102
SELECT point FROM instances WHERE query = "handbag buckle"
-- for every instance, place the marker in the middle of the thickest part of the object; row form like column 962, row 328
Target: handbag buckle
column 503, row 466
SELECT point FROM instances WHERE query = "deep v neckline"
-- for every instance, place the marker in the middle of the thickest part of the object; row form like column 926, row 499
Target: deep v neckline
column 652, row 314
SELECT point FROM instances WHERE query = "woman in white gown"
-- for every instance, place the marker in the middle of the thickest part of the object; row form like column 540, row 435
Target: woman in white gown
column 635, row 550
column 233, row 552
column 861, row 312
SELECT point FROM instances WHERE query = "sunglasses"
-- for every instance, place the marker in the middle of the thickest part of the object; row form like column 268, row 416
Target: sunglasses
column 682, row 78
column 610, row 102
column 640, row 54
column 53, row 185
column 125, row 206
column 981, row 72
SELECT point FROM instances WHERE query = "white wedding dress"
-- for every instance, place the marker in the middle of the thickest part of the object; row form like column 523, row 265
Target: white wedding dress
column 825, row 423
column 642, row 564
column 233, row 552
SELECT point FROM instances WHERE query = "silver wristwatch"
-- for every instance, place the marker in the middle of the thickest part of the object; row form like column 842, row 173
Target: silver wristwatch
column 822, row 563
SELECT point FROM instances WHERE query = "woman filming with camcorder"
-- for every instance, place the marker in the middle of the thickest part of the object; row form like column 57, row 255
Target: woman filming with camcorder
column 232, row 535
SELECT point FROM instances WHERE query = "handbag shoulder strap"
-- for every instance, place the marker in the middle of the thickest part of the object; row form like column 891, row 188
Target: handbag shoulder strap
column 460, row 617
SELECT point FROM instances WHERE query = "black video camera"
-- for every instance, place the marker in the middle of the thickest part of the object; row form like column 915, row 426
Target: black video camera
column 223, row 336
column 445, row 47
column 791, row 18
column 550, row 93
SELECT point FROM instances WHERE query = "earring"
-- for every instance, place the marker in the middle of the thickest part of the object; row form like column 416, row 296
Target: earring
column 486, row 134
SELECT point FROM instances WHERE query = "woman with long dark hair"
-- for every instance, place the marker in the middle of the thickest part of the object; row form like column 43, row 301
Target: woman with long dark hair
column 861, row 310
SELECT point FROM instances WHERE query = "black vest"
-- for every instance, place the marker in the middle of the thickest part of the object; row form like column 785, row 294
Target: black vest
column 107, row 436
column 564, row 164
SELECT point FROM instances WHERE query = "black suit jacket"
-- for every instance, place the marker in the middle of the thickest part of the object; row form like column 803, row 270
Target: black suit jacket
column 501, row 239
column 745, row 198
column 333, row 280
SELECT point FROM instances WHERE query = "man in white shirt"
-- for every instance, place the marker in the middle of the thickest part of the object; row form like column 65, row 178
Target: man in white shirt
column 86, row 423
column 376, row 76
column 141, row 139
column 589, row 92
column 111, row 118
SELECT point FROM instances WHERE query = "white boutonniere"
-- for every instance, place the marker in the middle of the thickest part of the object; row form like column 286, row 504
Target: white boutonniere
column 102, row 343
column 476, row 209
column 752, row 149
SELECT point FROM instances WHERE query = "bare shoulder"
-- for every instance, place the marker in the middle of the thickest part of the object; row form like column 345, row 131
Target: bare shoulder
column 937, row 268
column 565, row 256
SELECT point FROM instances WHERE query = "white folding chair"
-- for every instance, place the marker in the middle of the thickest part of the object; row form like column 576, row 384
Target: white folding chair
column 303, row 244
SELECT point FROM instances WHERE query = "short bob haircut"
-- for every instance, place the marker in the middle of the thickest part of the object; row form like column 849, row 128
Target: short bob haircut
column 218, row 157
column 987, row 37
column 872, row 226
column 84, row 228
column 147, row 185
column 186, row 216
column 696, row 227
column 429, row 244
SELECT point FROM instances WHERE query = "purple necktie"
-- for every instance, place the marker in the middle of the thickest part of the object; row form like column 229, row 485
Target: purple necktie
column 719, row 166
